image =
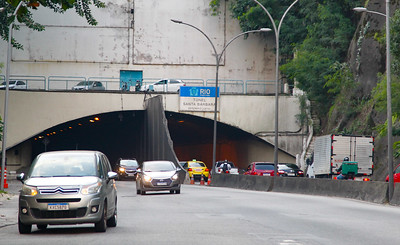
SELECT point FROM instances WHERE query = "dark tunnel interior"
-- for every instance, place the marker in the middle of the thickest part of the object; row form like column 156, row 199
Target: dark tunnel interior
column 118, row 135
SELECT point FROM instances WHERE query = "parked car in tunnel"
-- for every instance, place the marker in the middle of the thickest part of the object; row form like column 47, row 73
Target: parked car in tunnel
column 261, row 169
column 158, row 175
column 68, row 187
column 289, row 170
column 126, row 168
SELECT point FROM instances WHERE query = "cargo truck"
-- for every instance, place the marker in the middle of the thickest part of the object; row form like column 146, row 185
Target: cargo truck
column 330, row 150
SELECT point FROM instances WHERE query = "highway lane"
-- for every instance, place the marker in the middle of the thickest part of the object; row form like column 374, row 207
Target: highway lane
column 210, row 215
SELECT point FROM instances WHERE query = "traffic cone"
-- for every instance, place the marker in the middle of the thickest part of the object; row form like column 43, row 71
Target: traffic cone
column 192, row 180
column 5, row 178
column 209, row 179
column 202, row 180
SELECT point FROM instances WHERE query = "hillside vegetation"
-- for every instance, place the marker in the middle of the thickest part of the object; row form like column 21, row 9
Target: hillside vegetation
column 337, row 56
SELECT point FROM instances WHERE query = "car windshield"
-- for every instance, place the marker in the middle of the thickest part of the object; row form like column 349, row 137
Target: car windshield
column 158, row 166
column 264, row 166
column 196, row 164
column 129, row 163
column 64, row 165
column 288, row 166
column 10, row 82
column 85, row 83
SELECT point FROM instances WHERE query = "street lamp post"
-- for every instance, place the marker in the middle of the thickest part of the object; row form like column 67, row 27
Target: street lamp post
column 218, row 59
column 276, row 30
column 389, row 93
column 4, row 139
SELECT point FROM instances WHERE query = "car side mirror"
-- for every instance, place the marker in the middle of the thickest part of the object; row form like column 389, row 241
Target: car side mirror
column 21, row 177
column 112, row 175
column 178, row 169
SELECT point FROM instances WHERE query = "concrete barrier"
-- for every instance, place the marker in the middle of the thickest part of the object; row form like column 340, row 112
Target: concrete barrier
column 376, row 192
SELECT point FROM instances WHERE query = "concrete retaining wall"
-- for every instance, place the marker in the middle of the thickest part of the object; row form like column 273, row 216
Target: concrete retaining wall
column 376, row 192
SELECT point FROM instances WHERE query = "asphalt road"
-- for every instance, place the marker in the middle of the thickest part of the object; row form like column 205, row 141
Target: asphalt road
column 209, row 215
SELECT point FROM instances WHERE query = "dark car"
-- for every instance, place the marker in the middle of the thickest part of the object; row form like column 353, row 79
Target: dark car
column 260, row 168
column 289, row 170
column 126, row 168
column 158, row 176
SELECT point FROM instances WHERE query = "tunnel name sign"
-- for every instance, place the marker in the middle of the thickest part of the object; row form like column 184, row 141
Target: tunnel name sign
column 197, row 98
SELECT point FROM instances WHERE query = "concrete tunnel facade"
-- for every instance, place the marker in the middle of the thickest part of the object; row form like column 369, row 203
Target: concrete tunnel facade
column 119, row 130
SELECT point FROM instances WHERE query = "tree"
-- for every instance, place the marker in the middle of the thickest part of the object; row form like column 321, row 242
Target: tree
column 319, row 31
column 24, row 14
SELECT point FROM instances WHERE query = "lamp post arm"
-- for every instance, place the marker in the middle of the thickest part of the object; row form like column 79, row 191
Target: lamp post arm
column 284, row 15
column 233, row 39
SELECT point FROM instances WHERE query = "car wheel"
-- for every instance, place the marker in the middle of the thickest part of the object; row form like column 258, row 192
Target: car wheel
column 23, row 228
column 41, row 227
column 138, row 192
column 101, row 226
column 112, row 222
column 178, row 191
column 171, row 191
column 143, row 192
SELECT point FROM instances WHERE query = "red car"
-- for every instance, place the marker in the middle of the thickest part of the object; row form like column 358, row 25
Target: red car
column 260, row 168
column 396, row 175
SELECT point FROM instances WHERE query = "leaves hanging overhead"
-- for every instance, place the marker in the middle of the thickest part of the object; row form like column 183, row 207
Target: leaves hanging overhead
column 24, row 14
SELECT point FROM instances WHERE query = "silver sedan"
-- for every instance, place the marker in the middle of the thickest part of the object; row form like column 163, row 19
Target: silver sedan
column 158, row 176
column 68, row 187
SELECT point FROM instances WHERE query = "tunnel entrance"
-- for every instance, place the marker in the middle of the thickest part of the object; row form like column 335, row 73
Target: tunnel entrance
column 119, row 135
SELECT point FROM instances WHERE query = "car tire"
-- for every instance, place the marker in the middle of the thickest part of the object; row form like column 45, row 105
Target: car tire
column 101, row 226
column 112, row 222
column 178, row 191
column 41, row 227
column 171, row 191
column 23, row 228
column 137, row 192
column 143, row 192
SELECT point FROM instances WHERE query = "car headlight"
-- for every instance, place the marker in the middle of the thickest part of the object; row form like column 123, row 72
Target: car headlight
column 29, row 190
column 175, row 177
column 121, row 169
column 146, row 178
column 91, row 189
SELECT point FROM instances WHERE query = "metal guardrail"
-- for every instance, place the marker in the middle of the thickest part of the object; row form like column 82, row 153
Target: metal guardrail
column 63, row 82
column 32, row 82
column 227, row 86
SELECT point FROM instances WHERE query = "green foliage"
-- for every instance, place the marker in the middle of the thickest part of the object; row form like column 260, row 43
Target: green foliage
column 318, row 30
column 341, row 78
column 24, row 14
column 303, row 117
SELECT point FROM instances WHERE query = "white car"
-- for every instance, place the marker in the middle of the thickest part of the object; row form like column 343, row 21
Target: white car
column 14, row 84
column 165, row 85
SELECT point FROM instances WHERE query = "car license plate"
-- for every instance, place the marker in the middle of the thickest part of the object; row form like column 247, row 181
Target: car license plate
column 291, row 174
column 161, row 183
column 266, row 174
column 57, row 206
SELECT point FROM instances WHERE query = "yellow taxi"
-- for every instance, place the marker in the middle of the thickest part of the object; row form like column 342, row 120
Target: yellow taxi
column 196, row 169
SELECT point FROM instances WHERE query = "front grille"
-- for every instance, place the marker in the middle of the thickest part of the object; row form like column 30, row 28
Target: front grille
column 155, row 181
column 59, row 190
column 45, row 214
column 57, row 200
